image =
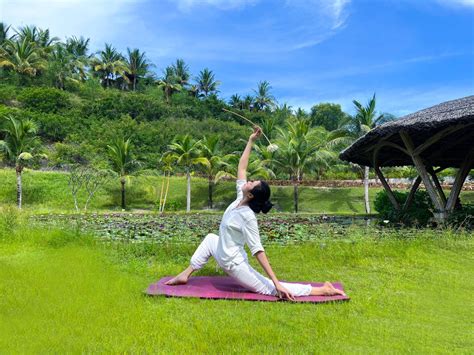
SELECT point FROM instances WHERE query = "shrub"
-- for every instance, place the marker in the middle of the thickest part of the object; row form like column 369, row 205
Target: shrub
column 44, row 99
column 419, row 212
column 463, row 217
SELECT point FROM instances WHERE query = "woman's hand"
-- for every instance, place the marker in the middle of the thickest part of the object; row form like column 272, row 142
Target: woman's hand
column 257, row 132
column 282, row 292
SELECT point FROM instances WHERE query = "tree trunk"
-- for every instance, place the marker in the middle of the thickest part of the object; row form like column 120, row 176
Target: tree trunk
column 134, row 82
column 19, row 191
column 295, row 196
column 210, row 193
column 188, row 192
column 366, row 189
column 122, row 181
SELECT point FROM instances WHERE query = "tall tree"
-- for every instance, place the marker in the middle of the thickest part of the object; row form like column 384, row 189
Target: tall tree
column 20, row 135
column 217, row 162
column 181, row 72
column 236, row 102
column 185, row 150
column 109, row 65
column 4, row 28
column 328, row 115
column 206, row 82
column 364, row 120
column 22, row 57
column 120, row 155
column 169, row 84
column 300, row 148
column 137, row 66
column 263, row 98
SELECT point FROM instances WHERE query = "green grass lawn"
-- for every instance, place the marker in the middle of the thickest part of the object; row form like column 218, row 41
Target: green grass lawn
column 411, row 292
column 49, row 192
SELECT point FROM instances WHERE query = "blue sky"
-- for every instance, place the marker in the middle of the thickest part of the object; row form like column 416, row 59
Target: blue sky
column 411, row 53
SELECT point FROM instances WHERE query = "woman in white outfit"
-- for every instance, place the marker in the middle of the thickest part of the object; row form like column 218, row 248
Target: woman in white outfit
column 239, row 227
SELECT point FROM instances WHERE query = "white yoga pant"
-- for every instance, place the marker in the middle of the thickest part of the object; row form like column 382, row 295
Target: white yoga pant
column 243, row 273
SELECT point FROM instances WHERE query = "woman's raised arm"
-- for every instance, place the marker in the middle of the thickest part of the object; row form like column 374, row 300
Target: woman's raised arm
column 244, row 159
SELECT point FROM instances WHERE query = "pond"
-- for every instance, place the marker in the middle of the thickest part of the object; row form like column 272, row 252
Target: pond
column 277, row 228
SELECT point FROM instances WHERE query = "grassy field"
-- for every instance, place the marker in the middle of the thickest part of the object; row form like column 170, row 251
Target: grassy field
column 49, row 192
column 62, row 291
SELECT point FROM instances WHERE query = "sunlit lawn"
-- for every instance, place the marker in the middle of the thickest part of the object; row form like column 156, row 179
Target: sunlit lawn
column 63, row 292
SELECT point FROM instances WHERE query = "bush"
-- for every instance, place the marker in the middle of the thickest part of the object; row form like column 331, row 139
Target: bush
column 463, row 217
column 44, row 99
column 419, row 212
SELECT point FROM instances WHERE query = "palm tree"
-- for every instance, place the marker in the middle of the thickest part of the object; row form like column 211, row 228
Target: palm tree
column 109, row 65
column 78, row 49
column 236, row 102
column 248, row 102
column 187, row 154
column 22, row 57
column 206, row 82
column 137, row 66
column 364, row 120
column 217, row 162
column 169, row 84
column 122, row 161
column 166, row 162
column 263, row 98
column 181, row 72
column 41, row 39
column 20, row 134
column 301, row 147
column 65, row 67
column 3, row 32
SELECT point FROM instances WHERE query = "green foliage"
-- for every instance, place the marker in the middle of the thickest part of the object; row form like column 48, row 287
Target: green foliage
column 44, row 99
column 328, row 115
column 418, row 213
column 462, row 217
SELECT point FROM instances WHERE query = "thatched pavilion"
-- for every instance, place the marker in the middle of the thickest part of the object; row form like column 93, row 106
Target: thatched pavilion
column 432, row 140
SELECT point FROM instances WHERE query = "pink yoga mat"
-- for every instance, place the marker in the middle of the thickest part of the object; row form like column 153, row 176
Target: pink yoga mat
column 224, row 287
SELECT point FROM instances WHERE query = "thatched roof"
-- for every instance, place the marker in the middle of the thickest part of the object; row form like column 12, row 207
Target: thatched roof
column 448, row 151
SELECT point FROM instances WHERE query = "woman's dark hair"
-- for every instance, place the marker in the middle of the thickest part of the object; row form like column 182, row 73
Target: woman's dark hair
column 261, row 198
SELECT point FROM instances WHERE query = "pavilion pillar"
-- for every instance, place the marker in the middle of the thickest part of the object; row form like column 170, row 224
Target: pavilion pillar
column 440, row 212
column 411, row 195
column 385, row 184
column 439, row 189
column 461, row 176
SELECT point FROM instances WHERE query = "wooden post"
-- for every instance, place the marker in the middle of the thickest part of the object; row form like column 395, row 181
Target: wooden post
column 420, row 166
column 411, row 195
column 463, row 171
column 385, row 184
column 441, row 194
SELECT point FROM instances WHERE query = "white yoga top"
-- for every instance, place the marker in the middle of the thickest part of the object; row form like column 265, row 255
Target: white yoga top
column 238, row 227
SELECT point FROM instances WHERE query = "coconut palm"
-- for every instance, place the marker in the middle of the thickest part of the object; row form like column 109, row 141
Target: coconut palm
column 137, row 66
column 3, row 32
column 120, row 155
column 22, row 57
column 169, row 84
column 41, row 38
column 78, row 47
column 218, row 163
column 248, row 102
column 236, row 102
column 206, row 82
column 166, row 163
column 364, row 120
column 65, row 67
column 109, row 65
column 301, row 147
column 263, row 98
column 20, row 135
column 181, row 72
column 185, row 151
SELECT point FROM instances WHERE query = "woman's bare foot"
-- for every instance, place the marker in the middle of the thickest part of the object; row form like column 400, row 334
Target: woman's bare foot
column 326, row 290
column 181, row 278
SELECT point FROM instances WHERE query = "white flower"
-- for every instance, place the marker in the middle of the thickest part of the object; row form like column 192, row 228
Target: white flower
column 272, row 148
column 386, row 221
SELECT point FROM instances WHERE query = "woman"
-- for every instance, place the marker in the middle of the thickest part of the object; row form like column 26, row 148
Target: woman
column 239, row 227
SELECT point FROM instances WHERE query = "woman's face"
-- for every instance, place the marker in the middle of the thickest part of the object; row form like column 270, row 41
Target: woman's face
column 249, row 185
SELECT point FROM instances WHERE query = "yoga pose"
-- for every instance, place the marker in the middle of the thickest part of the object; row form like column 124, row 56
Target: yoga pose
column 239, row 227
